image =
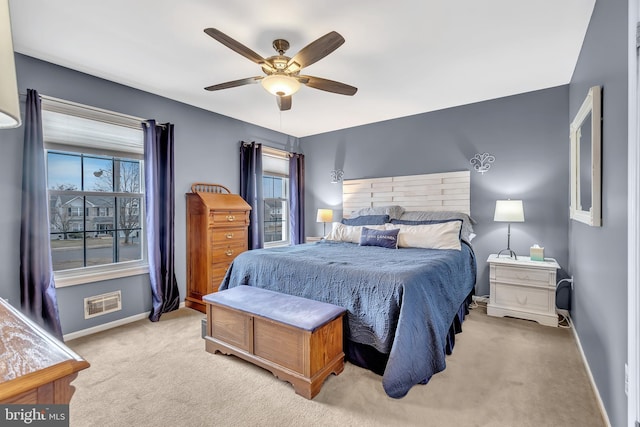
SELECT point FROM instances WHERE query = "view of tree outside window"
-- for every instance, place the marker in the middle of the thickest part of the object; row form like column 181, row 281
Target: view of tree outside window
column 95, row 209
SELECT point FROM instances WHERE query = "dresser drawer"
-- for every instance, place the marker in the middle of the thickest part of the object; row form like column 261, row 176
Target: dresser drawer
column 522, row 298
column 227, row 236
column 224, row 253
column 527, row 276
column 218, row 271
column 214, row 285
column 228, row 218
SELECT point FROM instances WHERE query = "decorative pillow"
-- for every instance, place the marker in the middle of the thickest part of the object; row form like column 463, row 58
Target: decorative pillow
column 367, row 220
column 442, row 235
column 393, row 211
column 467, row 221
column 348, row 233
column 383, row 238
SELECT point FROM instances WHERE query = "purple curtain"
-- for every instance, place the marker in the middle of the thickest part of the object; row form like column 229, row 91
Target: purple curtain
column 160, row 212
column 296, row 200
column 37, row 286
column 251, row 190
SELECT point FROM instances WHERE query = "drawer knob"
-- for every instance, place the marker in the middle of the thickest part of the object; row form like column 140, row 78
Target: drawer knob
column 229, row 235
column 229, row 252
column 231, row 218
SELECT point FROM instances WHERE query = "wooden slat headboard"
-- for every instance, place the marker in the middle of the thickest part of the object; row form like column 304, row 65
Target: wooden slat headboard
column 449, row 191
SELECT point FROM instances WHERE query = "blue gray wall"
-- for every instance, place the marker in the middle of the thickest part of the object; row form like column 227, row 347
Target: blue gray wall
column 528, row 135
column 598, row 255
column 206, row 150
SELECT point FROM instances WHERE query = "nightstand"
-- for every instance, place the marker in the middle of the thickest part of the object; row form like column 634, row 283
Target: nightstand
column 523, row 288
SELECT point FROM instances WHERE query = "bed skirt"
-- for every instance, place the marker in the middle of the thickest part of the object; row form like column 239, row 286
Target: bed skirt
column 369, row 358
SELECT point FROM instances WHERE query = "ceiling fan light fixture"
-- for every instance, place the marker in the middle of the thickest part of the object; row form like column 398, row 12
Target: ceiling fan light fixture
column 280, row 84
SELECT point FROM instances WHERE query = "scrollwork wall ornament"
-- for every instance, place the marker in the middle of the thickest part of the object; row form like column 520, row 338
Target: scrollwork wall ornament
column 482, row 162
column 336, row 176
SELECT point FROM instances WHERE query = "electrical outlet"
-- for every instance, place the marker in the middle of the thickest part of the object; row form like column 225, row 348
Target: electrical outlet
column 480, row 299
column 626, row 379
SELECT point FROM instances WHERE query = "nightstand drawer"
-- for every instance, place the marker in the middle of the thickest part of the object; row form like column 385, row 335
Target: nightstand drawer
column 521, row 297
column 528, row 276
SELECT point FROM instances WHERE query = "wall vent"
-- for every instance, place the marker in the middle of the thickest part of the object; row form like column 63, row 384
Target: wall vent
column 102, row 304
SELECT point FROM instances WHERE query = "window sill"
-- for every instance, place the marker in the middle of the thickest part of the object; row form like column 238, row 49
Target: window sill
column 97, row 274
column 276, row 245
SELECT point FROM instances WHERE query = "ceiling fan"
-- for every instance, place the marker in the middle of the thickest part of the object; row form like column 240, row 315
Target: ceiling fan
column 282, row 73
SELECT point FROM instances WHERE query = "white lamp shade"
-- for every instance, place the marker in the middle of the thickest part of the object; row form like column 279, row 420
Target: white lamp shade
column 280, row 84
column 324, row 215
column 9, row 104
column 509, row 211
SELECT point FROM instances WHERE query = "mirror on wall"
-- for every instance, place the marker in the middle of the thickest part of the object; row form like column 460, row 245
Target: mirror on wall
column 586, row 160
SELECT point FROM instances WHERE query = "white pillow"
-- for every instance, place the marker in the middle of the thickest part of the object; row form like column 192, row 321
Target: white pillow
column 445, row 235
column 349, row 233
column 467, row 221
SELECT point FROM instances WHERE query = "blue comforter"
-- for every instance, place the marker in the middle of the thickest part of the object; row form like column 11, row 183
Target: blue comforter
column 401, row 302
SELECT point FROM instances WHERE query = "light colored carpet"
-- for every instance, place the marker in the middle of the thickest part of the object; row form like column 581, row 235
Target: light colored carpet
column 503, row 372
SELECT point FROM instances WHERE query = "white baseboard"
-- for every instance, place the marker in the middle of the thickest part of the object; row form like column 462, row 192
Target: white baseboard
column 106, row 326
column 603, row 410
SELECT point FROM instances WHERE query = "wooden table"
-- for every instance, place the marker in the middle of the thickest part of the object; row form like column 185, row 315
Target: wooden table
column 35, row 367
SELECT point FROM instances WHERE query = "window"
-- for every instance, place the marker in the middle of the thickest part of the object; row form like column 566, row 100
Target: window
column 95, row 181
column 275, row 188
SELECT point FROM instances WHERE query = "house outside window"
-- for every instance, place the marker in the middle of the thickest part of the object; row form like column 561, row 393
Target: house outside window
column 95, row 182
column 275, row 188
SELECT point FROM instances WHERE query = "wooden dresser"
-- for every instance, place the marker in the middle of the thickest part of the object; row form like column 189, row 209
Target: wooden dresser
column 217, row 231
column 35, row 367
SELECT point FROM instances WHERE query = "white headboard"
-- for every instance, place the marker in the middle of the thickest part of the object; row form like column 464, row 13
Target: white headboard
column 449, row 191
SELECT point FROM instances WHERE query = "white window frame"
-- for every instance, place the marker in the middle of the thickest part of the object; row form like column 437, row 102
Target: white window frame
column 120, row 145
column 272, row 156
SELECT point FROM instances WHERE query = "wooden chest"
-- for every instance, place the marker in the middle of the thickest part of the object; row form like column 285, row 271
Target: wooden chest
column 217, row 231
column 297, row 339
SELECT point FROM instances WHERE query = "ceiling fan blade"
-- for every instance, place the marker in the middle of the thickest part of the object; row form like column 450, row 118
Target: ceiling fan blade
column 328, row 85
column 235, row 45
column 235, row 83
column 315, row 51
column 284, row 102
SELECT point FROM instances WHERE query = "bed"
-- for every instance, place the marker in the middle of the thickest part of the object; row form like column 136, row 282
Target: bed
column 404, row 306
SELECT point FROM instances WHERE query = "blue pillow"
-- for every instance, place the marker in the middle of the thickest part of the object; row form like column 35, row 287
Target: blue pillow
column 383, row 238
column 366, row 220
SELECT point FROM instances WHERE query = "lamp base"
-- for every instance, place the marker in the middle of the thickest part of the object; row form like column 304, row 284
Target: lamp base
column 511, row 253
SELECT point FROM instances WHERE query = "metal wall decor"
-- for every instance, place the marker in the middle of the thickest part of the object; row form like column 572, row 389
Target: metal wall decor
column 482, row 162
column 336, row 176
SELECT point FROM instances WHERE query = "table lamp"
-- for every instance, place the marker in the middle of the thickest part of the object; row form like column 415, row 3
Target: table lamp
column 509, row 211
column 324, row 216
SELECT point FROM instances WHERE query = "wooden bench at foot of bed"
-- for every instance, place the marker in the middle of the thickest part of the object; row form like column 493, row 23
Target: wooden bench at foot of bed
column 297, row 339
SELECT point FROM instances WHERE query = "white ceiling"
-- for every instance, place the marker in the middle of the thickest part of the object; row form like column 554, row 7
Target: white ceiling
column 405, row 56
